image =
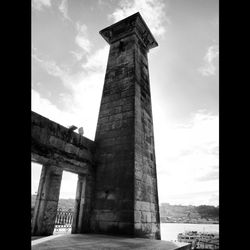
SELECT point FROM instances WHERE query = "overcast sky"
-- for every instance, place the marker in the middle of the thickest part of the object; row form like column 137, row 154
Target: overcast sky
column 69, row 60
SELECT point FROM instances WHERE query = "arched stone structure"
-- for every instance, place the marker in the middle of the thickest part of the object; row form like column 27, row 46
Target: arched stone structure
column 58, row 148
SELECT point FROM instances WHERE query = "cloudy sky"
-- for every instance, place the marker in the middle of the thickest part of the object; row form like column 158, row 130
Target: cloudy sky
column 69, row 59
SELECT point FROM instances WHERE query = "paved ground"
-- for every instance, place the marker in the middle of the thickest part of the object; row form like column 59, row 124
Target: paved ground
column 36, row 237
column 102, row 242
column 56, row 232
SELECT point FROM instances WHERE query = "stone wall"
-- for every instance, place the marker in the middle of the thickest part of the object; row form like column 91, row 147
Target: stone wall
column 54, row 144
column 58, row 148
column 114, row 200
column 147, row 221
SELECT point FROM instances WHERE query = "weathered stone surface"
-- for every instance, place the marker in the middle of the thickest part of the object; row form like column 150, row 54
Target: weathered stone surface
column 124, row 137
column 82, row 213
column 58, row 145
column 47, row 199
column 58, row 149
column 108, row 226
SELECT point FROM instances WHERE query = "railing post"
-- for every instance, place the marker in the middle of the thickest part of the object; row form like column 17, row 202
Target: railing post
column 63, row 219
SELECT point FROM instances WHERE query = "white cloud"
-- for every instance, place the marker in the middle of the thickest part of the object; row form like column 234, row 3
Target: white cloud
column 77, row 55
column 63, row 8
column 53, row 69
column 40, row 4
column 152, row 11
column 185, row 156
column 82, row 37
column 199, row 133
column 208, row 67
column 83, row 86
column 82, row 41
column 213, row 175
column 45, row 108
column 97, row 60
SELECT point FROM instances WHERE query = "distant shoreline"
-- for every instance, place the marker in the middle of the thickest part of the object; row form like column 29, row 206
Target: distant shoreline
column 185, row 222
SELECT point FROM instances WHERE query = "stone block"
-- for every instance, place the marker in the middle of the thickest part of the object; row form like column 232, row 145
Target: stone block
column 137, row 216
column 39, row 134
column 107, row 216
column 126, row 216
column 108, row 227
column 84, row 154
column 146, row 228
column 153, row 217
column 127, row 114
column 103, row 120
column 155, row 227
column 141, row 205
column 126, row 228
column 145, row 216
column 138, row 174
column 116, row 124
column 70, row 148
column 154, row 206
column 115, row 117
column 126, row 93
column 138, row 226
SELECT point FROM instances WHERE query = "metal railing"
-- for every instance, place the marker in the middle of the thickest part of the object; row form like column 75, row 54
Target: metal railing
column 63, row 220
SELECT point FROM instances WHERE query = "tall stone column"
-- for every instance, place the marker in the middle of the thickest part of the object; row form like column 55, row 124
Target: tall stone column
column 83, row 201
column 47, row 201
column 126, row 197
column 78, row 222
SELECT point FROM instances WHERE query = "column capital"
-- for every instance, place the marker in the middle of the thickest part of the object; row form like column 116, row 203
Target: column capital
column 133, row 24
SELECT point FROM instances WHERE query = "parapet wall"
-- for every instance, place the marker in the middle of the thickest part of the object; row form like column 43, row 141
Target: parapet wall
column 54, row 144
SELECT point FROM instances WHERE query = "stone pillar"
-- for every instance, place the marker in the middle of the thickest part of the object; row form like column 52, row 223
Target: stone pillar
column 82, row 213
column 47, row 201
column 126, row 198
column 79, row 205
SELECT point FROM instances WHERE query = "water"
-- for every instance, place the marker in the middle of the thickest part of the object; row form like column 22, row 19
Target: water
column 169, row 231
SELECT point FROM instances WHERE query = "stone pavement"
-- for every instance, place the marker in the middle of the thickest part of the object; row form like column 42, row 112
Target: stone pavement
column 36, row 237
column 103, row 242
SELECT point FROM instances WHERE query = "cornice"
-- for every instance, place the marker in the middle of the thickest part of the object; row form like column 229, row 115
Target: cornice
column 133, row 24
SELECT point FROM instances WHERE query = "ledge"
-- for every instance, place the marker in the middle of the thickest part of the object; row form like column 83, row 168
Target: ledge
column 133, row 24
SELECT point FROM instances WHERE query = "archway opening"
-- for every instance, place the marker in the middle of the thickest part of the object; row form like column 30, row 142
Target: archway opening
column 66, row 203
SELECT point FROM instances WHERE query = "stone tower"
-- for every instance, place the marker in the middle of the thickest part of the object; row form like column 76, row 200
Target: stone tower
column 126, row 195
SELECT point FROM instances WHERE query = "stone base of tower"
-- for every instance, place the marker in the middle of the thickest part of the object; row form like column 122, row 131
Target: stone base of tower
column 142, row 229
column 146, row 223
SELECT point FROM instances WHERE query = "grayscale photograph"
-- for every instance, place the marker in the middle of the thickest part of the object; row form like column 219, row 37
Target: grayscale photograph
column 125, row 124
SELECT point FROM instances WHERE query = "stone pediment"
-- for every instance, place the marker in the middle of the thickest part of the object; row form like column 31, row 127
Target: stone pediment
column 131, row 25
